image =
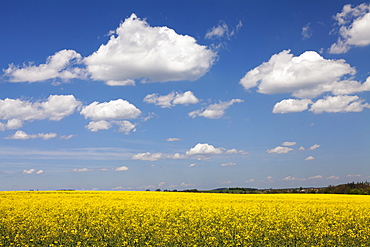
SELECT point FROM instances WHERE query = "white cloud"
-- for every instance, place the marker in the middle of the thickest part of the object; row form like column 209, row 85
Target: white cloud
column 152, row 54
column 301, row 148
column 82, row 170
column 229, row 164
column 313, row 147
column 316, row 177
column 305, row 76
column 310, row 158
column 306, row 31
column 122, row 168
column 354, row 28
column 176, row 156
column 125, row 126
column 250, row 180
column 288, row 144
column 13, row 123
column 67, row 137
column 192, row 165
column 114, row 109
column 61, row 65
column 31, row 171
column 222, row 30
column 291, row 105
column 279, row 150
column 55, row 108
column 173, row 139
column 171, row 99
column 204, row 149
column 95, row 126
column 290, row 178
column 236, row 151
column 215, row 110
column 333, row 177
column 21, row 135
column 341, row 103
column 128, row 82
column 147, row 156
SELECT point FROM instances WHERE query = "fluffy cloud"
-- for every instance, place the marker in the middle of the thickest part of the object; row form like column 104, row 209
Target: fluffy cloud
column 176, row 156
column 305, row 76
column 31, row 171
column 279, row 150
column 204, row 149
column 21, row 135
column 291, row 105
column 61, row 65
column 151, row 54
column 114, row 109
column 122, row 168
column 55, row 108
column 125, row 126
column 215, row 110
column 147, row 156
column 171, row 99
column 288, row 144
column 354, row 28
column 95, row 126
column 13, row 123
column 341, row 103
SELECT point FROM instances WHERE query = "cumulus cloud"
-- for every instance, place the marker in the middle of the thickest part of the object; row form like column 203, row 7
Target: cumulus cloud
column 114, row 109
column 214, row 111
column 21, row 135
column 171, row 99
column 152, row 54
column 290, row 178
column 55, row 108
column 279, row 150
column 310, row 158
column 305, row 76
column 176, row 156
column 341, row 103
column 288, row 144
column 122, row 168
column 291, row 105
column 313, row 147
column 95, row 126
column 31, row 171
column 204, row 149
column 13, row 123
column 306, row 31
column 147, row 156
column 354, row 26
column 125, row 126
column 61, row 65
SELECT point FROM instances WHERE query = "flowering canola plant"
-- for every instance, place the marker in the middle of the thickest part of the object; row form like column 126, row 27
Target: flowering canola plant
column 89, row 218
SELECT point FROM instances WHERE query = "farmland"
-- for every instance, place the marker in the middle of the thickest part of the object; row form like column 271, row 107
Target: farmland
column 88, row 218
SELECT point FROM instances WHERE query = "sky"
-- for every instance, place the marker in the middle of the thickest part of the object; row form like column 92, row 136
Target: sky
column 137, row 95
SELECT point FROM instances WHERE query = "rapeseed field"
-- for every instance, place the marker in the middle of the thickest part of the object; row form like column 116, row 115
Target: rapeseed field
column 182, row 219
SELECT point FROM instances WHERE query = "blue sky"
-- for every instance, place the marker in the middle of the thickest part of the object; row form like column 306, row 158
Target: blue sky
column 124, row 95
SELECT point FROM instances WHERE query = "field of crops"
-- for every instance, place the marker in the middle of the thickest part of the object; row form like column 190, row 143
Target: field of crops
column 182, row 219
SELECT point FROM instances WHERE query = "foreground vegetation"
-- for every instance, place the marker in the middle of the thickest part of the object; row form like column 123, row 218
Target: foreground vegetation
column 73, row 218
